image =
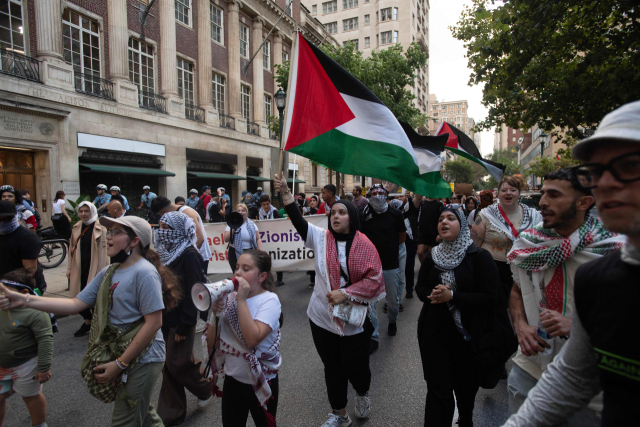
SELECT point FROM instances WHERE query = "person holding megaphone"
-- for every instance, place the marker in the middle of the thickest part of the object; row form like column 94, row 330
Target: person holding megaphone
column 241, row 233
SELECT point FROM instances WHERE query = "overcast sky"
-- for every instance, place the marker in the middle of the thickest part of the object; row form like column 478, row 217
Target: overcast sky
column 448, row 72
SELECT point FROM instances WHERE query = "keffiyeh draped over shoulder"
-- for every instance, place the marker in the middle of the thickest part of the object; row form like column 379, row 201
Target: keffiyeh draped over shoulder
column 530, row 218
column 174, row 241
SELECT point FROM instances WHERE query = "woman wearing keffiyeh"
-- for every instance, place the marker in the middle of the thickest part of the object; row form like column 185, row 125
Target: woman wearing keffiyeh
column 458, row 283
column 348, row 273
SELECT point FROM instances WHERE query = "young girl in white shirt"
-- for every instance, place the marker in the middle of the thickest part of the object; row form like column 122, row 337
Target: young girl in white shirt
column 249, row 349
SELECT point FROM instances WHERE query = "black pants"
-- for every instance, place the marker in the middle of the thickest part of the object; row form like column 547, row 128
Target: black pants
column 232, row 259
column 239, row 398
column 506, row 282
column 346, row 360
column 448, row 368
column 409, row 272
column 279, row 276
column 87, row 314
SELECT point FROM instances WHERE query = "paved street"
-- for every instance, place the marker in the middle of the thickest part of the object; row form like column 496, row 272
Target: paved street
column 397, row 391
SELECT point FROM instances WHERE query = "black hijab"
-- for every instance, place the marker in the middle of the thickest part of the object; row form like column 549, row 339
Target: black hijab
column 354, row 221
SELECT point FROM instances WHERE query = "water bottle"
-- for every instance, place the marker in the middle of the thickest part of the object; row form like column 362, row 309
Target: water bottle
column 545, row 336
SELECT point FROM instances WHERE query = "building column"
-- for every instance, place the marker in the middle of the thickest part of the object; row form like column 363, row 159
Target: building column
column 168, row 61
column 125, row 92
column 258, row 74
column 233, row 48
column 204, row 54
column 55, row 72
column 277, row 56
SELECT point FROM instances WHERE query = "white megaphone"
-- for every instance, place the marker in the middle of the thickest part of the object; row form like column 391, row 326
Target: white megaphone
column 205, row 294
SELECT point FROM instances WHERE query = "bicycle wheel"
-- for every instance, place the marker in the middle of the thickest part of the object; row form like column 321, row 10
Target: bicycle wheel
column 52, row 256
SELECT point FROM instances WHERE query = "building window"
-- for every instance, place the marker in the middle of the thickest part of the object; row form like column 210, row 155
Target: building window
column 81, row 42
column 329, row 7
column 185, row 81
column 141, row 66
column 395, row 13
column 349, row 24
column 377, row 41
column 385, row 37
column 314, row 176
column 514, row 131
column 459, row 111
column 367, row 42
column 285, row 56
column 218, row 89
column 314, row 9
column 245, row 102
column 183, row 11
column 288, row 10
column 244, row 41
column 349, row 4
column 355, row 42
column 513, row 139
column 266, row 55
column 366, row 19
column 217, row 24
column 385, row 14
column 395, row 37
column 267, row 106
column 11, row 29
column 332, row 27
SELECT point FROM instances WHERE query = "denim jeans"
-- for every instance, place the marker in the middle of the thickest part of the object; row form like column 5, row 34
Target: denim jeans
column 391, row 287
column 402, row 258
column 520, row 383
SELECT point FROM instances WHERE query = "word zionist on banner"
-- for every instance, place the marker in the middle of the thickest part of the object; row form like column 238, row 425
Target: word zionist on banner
column 279, row 238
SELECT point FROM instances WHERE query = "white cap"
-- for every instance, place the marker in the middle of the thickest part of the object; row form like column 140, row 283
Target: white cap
column 140, row 227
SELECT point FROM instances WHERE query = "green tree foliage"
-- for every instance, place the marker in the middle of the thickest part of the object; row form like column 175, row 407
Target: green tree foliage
column 388, row 73
column 561, row 63
column 459, row 171
column 541, row 166
column 509, row 158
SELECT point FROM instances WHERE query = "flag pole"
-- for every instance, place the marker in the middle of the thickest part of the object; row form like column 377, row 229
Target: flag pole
column 283, row 137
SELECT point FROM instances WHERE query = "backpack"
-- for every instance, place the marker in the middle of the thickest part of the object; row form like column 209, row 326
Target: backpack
column 201, row 209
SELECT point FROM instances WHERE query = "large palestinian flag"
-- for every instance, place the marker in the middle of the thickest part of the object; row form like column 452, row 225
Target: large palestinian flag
column 334, row 120
column 464, row 146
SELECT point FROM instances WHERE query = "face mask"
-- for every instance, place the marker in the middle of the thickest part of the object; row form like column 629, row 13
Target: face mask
column 9, row 227
column 122, row 255
column 379, row 203
column 167, row 238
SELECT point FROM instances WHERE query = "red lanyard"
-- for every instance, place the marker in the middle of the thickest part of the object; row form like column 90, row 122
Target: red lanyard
column 504, row 215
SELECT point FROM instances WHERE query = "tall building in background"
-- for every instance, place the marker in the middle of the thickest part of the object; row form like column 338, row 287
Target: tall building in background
column 506, row 137
column 452, row 112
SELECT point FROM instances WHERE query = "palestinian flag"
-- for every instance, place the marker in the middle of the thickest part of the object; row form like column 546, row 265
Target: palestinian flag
column 334, row 120
column 464, row 146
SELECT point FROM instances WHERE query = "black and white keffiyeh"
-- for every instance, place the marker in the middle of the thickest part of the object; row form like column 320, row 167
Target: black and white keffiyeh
column 266, row 215
column 449, row 255
column 530, row 218
column 174, row 241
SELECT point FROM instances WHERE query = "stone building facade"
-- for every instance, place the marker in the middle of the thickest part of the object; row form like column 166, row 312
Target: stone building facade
column 85, row 99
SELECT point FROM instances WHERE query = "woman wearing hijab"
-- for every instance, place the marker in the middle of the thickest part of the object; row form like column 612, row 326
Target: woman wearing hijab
column 87, row 257
column 313, row 206
column 458, row 284
column 348, row 281
column 176, row 249
column 245, row 237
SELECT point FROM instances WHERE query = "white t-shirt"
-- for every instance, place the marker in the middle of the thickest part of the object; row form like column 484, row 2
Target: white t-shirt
column 204, row 249
column 57, row 206
column 244, row 234
column 318, row 310
column 266, row 309
column 471, row 217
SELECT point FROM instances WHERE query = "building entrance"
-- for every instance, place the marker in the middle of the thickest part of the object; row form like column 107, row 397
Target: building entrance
column 17, row 170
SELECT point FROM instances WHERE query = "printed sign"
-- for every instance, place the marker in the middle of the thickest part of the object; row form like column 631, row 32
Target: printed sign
column 279, row 238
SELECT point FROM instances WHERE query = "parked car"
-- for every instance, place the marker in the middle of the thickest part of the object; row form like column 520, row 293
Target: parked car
column 531, row 198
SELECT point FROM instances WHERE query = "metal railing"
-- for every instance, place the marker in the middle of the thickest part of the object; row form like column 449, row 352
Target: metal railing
column 93, row 85
column 253, row 128
column 227, row 122
column 194, row 113
column 152, row 101
column 19, row 65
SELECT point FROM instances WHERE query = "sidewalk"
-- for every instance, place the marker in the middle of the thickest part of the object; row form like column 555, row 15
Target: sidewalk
column 56, row 278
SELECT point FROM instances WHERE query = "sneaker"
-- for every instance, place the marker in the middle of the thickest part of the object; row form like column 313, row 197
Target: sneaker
column 335, row 420
column 200, row 326
column 363, row 406
column 409, row 295
column 84, row 330
column 385, row 307
column 373, row 346
column 393, row 328
column 401, row 308
column 312, row 285
column 204, row 403
column 279, row 283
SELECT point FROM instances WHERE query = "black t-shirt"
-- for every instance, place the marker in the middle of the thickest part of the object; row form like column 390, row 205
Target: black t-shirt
column 412, row 215
column 428, row 222
column 253, row 212
column 382, row 230
column 606, row 298
column 18, row 245
column 214, row 215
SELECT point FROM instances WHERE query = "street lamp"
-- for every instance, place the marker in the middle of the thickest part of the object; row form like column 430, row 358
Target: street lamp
column 543, row 139
column 281, row 98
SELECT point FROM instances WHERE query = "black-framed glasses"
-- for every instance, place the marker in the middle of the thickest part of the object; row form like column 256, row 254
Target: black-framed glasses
column 625, row 168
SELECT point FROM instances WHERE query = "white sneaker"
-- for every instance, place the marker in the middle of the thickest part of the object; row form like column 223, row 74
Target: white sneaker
column 335, row 420
column 204, row 403
column 363, row 406
column 200, row 325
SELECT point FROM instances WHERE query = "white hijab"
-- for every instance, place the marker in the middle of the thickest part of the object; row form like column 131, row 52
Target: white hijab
column 94, row 212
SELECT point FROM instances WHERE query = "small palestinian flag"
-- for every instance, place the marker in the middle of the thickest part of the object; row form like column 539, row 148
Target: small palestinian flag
column 334, row 120
column 464, row 146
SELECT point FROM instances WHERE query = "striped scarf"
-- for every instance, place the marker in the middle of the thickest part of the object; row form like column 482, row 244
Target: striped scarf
column 237, row 237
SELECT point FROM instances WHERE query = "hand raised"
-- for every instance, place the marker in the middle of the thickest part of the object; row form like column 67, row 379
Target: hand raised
column 11, row 299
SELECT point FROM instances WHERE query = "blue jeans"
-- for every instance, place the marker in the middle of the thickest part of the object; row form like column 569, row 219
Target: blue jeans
column 391, row 287
column 402, row 258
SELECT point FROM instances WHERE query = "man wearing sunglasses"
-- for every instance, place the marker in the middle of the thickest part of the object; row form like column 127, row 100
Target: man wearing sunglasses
column 603, row 353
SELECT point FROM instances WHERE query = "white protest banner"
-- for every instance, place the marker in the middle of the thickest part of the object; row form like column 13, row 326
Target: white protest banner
column 279, row 238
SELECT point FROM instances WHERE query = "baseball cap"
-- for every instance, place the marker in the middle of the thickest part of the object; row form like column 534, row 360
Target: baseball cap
column 222, row 189
column 622, row 124
column 7, row 208
column 259, row 188
column 140, row 227
column 205, row 188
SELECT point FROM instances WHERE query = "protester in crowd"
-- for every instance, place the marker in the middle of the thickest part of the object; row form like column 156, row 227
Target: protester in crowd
column 60, row 218
column 486, row 199
column 217, row 209
column 223, row 194
column 129, row 295
column 385, row 228
column 410, row 215
column 179, row 200
column 26, row 201
column 605, row 329
column 402, row 258
column 498, row 226
column 351, row 263
column 161, row 205
column 116, row 207
column 301, row 200
column 458, row 283
column 181, row 371
column 428, row 214
column 249, row 350
column 102, row 199
column 145, row 201
column 259, row 193
column 192, row 200
column 312, row 209
column 470, row 204
column 250, row 202
column 329, row 198
column 241, row 239
column 358, row 199
column 544, row 261
column 87, row 257
column 115, row 191
column 267, row 211
column 349, row 197
column 205, row 199
column 26, row 353
column 25, row 217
